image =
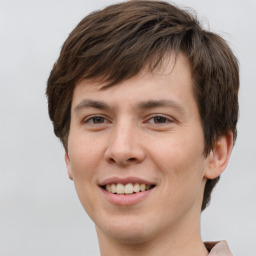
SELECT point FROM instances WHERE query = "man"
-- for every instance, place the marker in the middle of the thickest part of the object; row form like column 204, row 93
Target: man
column 145, row 103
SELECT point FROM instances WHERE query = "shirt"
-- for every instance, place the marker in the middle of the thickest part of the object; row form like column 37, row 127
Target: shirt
column 218, row 248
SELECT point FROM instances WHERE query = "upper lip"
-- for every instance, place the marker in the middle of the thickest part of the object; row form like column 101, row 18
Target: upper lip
column 125, row 180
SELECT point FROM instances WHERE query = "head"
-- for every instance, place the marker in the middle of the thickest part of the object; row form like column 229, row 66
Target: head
column 119, row 42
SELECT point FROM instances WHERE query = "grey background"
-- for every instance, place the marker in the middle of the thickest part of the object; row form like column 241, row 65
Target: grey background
column 39, row 210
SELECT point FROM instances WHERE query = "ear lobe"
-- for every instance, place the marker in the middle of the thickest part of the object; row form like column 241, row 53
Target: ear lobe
column 68, row 166
column 219, row 156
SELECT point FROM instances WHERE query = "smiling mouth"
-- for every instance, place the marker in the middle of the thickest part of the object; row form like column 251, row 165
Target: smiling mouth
column 127, row 189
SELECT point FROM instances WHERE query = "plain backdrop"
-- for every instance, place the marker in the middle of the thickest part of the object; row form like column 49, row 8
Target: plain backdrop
column 39, row 210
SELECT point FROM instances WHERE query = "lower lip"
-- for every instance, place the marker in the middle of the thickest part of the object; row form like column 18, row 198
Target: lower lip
column 126, row 199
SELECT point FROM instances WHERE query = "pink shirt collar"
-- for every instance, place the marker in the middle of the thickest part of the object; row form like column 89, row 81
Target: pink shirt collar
column 218, row 248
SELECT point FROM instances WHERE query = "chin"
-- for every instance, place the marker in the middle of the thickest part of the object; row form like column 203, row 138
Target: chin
column 128, row 230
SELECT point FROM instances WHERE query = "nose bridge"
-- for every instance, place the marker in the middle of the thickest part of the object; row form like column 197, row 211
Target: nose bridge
column 124, row 146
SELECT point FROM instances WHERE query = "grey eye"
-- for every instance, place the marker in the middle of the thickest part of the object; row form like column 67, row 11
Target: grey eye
column 98, row 120
column 160, row 120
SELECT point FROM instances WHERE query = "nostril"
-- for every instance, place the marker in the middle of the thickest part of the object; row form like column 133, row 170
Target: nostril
column 112, row 160
column 122, row 161
column 132, row 159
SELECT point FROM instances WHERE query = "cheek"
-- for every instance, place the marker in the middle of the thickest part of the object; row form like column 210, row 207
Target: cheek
column 84, row 182
column 177, row 150
column 84, row 154
column 181, row 163
column 84, row 160
column 182, row 176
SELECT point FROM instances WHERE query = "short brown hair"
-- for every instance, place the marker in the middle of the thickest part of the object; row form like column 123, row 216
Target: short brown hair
column 117, row 42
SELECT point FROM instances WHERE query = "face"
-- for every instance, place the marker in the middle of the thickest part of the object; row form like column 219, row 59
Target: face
column 135, row 154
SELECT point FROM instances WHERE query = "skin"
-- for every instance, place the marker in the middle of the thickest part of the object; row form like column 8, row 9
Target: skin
column 163, row 144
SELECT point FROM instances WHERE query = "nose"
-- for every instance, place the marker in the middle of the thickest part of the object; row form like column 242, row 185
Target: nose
column 124, row 147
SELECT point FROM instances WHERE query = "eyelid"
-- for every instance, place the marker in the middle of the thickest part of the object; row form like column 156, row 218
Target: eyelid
column 90, row 117
column 168, row 118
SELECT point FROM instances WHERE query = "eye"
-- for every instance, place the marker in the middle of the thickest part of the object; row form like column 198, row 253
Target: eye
column 159, row 120
column 96, row 120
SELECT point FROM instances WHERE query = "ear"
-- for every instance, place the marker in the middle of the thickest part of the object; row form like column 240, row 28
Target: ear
column 219, row 156
column 68, row 165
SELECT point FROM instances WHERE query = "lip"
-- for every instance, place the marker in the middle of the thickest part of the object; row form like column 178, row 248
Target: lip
column 126, row 199
column 125, row 180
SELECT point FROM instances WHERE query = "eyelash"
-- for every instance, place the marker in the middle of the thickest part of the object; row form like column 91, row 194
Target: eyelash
column 164, row 118
column 91, row 118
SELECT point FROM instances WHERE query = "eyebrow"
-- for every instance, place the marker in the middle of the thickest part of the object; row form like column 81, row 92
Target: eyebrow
column 91, row 104
column 161, row 103
column 149, row 104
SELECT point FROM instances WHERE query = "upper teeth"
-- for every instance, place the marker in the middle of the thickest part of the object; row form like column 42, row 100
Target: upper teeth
column 127, row 189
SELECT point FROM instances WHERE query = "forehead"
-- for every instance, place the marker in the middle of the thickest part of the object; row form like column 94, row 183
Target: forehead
column 172, row 74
